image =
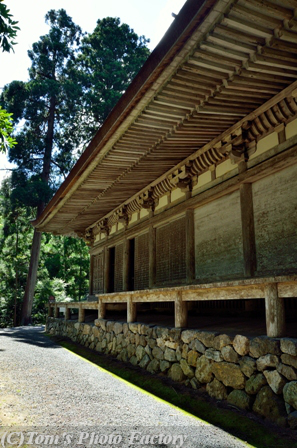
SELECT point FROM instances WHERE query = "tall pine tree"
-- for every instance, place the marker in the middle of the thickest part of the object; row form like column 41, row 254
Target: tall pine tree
column 46, row 105
column 110, row 58
column 72, row 88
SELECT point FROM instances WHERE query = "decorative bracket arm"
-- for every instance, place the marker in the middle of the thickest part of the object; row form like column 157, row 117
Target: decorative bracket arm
column 104, row 227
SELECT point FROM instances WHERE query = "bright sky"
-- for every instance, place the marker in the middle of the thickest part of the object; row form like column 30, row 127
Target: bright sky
column 150, row 18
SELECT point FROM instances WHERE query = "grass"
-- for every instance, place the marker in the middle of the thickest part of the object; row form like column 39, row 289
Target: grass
column 235, row 422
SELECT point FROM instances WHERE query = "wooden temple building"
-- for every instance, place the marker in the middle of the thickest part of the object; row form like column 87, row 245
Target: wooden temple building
column 188, row 192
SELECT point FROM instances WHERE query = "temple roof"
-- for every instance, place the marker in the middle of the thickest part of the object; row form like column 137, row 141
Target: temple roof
column 218, row 62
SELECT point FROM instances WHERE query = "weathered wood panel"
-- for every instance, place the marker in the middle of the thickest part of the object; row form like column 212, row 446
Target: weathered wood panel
column 218, row 239
column 141, row 271
column 118, row 268
column 98, row 276
column 275, row 215
column 171, row 252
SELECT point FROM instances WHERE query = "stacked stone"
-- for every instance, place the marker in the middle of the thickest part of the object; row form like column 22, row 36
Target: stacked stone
column 258, row 374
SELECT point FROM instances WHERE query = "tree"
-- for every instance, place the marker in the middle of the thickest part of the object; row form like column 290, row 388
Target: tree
column 110, row 58
column 8, row 28
column 6, row 128
column 15, row 233
column 48, row 104
column 68, row 96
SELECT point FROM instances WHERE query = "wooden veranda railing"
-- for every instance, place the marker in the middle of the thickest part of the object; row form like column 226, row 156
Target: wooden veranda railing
column 273, row 290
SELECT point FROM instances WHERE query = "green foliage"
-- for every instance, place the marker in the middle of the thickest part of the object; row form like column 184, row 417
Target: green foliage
column 110, row 58
column 8, row 28
column 15, row 235
column 63, row 268
column 45, row 106
column 6, row 127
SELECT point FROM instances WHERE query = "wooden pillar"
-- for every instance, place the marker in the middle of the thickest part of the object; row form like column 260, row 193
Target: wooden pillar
column 180, row 312
column 248, row 230
column 106, row 269
column 81, row 313
column 56, row 312
column 91, row 277
column 126, row 254
column 50, row 310
column 131, row 310
column 67, row 312
column 101, row 309
column 152, row 257
column 190, row 246
column 275, row 312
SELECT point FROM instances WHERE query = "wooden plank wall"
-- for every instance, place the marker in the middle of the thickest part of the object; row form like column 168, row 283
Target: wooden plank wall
column 218, row 239
column 141, row 272
column 171, row 252
column 275, row 216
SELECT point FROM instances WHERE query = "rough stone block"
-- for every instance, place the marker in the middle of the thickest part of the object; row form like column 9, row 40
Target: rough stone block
column 248, row 366
column 287, row 371
column 164, row 365
column 290, row 394
column 158, row 353
column 144, row 361
column 229, row 374
column 176, row 373
column 139, row 352
column 270, row 405
column 241, row 345
column 192, row 358
column 267, row 361
column 189, row 335
column 213, row 354
column 221, row 341
column 198, row 346
column 240, row 399
column 216, row 390
column 188, row 371
column 169, row 355
column 255, row 383
column 289, row 346
column 171, row 344
column 207, row 338
column 153, row 366
column 289, row 360
column 264, row 345
column 203, row 371
column 229, row 354
column 275, row 381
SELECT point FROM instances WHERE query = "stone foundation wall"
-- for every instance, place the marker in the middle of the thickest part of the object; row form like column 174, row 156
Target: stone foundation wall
column 258, row 374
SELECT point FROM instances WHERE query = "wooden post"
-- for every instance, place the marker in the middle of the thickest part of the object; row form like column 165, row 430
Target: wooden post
column 248, row 229
column 81, row 313
column 56, row 312
column 50, row 310
column 91, row 278
column 67, row 312
column 131, row 310
column 126, row 254
column 275, row 312
column 152, row 257
column 180, row 312
column 106, row 270
column 190, row 246
column 101, row 309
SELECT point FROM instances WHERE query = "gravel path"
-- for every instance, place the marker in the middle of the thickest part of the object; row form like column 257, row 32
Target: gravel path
column 47, row 388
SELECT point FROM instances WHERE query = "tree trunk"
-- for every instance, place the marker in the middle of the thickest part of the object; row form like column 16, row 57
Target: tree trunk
column 35, row 249
column 31, row 279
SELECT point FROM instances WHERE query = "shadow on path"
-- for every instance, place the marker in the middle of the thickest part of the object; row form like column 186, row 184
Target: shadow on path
column 29, row 335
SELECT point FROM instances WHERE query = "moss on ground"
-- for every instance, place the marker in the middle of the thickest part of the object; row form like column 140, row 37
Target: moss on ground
column 246, row 427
